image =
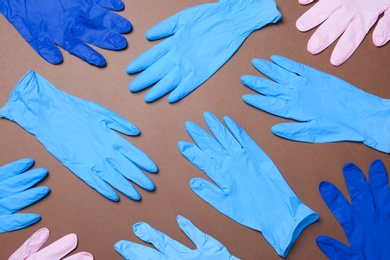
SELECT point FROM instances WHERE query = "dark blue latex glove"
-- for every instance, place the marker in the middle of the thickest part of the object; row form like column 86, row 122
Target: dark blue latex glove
column 366, row 222
column 71, row 24
column 80, row 134
column 16, row 193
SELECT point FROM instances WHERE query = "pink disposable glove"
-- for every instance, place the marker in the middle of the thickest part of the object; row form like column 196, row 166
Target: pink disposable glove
column 352, row 18
column 30, row 250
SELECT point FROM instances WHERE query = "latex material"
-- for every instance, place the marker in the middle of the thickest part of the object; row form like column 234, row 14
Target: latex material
column 31, row 249
column 71, row 24
column 352, row 19
column 79, row 133
column 200, row 40
column 16, row 193
column 167, row 248
column 366, row 220
column 327, row 108
column 249, row 188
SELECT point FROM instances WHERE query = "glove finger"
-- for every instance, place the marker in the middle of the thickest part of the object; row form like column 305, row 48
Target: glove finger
column 197, row 237
column 358, row 188
column 203, row 139
column 272, row 105
column 23, row 199
column 379, row 185
column 195, row 156
column 164, row 28
column 212, row 194
column 266, row 87
column 149, row 57
column 165, row 85
column 186, row 86
column 313, row 132
column 293, row 66
column 305, row 2
column 14, row 168
column 130, row 250
column 80, row 256
column 321, row 11
column 95, row 182
column 101, row 37
column 381, row 34
column 162, row 242
column 222, row 134
column 338, row 205
column 21, row 182
column 119, row 123
column 151, row 75
column 57, row 249
column 31, row 245
column 17, row 221
column 138, row 157
column 116, row 5
column 334, row 249
column 274, row 71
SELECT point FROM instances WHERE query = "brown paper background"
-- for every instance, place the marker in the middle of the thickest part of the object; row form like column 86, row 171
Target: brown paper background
column 72, row 206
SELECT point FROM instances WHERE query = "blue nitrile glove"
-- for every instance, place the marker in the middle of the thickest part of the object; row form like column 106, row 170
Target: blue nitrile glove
column 201, row 39
column 207, row 248
column 80, row 134
column 250, row 189
column 328, row 109
column 16, row 193
column 71, row 24
column 366, row 221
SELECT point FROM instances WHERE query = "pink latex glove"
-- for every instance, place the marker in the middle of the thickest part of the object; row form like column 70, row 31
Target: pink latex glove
column 30, row 250
column 352, row 18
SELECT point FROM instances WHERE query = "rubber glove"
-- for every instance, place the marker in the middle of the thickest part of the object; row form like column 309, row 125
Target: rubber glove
column 350, row 18
column 249, row 188
column 366, row 220
column 327, row 108
column 167, row 248
column 31, row 249
column 16, row 193
column 79, row 133
column 200, row 40
column 71, row 24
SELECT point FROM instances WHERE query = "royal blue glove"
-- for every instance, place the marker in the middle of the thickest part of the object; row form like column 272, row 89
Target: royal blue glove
column 328, row 109
column 201, row 39
column 167, row 248
column 71, row 24
column 366, row 220
column 16, row 193
column 79, row 133
column 250, row 189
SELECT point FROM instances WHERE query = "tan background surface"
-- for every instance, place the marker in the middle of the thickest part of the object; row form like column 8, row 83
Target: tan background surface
column 72, row 206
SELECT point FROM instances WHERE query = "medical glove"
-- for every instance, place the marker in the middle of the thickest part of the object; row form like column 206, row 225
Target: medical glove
column 200, row 40
column 248, row 187
column 16, row 193
column 350, row 18
column 71, row 24
column 167, row 248
column 31, row 249
column 327, row 108
column 366, row 220
column 80, row 134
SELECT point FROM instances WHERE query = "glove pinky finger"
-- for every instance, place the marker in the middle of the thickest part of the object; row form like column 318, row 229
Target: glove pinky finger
column 334, row 249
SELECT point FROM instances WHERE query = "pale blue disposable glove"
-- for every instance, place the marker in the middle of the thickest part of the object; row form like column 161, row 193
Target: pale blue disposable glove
column 200, row 40
column 79, row 133
column 249, row 188
column 207, row 248
column 366, row 220
column 16, row 193
column 71, row 24
column 327, row 108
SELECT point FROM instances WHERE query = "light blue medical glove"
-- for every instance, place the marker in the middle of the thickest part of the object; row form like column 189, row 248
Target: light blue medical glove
column 327, row 108
column 80, row 134
column 366, row 220
column 71, row 24
column 200, row 40
column 207, row 248
column 16, row 193
column 249, row 188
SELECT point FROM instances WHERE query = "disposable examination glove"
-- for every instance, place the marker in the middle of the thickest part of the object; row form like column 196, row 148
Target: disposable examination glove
column 80, row 134
column 71, row 24
column 207, row 248
column 200, row 40
column 249, row 188
column 328, row 109
column 350, row 18
column 366, row 220
column 16, row 193
column 31, row 249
